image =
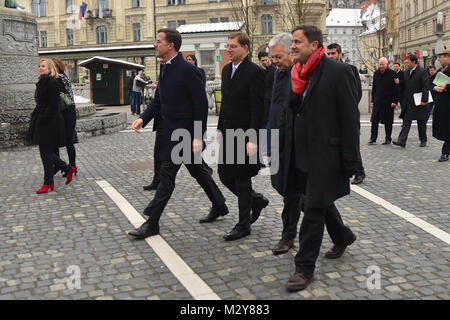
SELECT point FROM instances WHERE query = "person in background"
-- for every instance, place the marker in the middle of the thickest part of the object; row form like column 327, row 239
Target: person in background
column 192, row 59
column 69, row 114
column 138, row 91
column 416, row 81
column 441, row 115
column 130, row 90
column 47, row 125
column 399, row 79
column 432, row 72
column 269, row 73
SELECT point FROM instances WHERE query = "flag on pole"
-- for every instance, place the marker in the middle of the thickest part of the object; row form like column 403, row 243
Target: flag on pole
column 100, row 10
column 83, row 8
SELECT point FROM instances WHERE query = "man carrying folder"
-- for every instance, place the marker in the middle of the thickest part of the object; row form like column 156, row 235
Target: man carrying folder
column 416, row 81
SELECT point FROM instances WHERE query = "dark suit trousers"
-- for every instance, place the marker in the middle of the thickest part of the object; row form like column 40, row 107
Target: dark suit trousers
column 242, row 188
column 290, row 215
column 168, row 173
column 374, row 129
column 311, row 235
column 421, row 126
column 156, row 161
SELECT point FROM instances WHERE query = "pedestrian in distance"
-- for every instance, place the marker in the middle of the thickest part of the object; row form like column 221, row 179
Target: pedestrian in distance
column 320, row 145
column 241, row 111
column 280, row 51
column 399, row 80
column 416, row 81
column 441, row 114
column 180, row 101
column 334, row 51
column 69, row 114
column 191, row 58
column 384, row 99
column 138, row 92
column 47, row 128
column 432, row 73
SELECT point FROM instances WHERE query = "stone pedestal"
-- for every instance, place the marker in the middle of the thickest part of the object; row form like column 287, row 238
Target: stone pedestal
column 19, row 73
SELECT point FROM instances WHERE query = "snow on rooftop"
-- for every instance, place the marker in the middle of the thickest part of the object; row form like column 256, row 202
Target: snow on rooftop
column 210, row 27
column 103, row 59
column 344, row 17
column 371, row 12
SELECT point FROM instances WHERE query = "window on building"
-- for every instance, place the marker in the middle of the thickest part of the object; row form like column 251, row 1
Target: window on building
column 102, row 35
column 224, row 19
column 425, row 2
column 181, row 1
column 181, row 22
column 136, row 3
column 171, row 2
column 69, row 33
column 266, row 24
column 43, row 8
column 136, row 32
column 416, row 7
column 68, row 6
column 266, row 1
column 213, row 20
column 43, row 39
column 103, row 5
column 409, row 34
column 207, row 63
column 172, row 24
column 35, row 7
column 212, row 0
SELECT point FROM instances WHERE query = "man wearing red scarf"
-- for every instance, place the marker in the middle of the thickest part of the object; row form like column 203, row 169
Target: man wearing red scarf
column 319, row 139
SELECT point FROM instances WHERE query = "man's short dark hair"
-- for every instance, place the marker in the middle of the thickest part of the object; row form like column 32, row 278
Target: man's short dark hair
column 412, row 57
column 262, row 54
column 335, row 46
column 397, row 63
column 242, row 38
column 432, row 67
column 172, row 36
column 312, row 33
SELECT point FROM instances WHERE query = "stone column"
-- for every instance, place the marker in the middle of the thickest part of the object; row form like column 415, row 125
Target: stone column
column 19, row 73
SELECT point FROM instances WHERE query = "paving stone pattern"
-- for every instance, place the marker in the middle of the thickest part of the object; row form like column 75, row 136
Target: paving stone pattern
column 41, row 236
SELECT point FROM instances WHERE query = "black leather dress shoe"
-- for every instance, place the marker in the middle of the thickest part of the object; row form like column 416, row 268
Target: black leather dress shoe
column 282, row 246
column 338, row 250
column 443, row 158
column 151, row 186
column 371, row 142
column 423, row 144
column 257, row 206
column 359, row 178
column 387, row 141
column 299, row 281
column 214, row 213
column 236, row 234
column 146, row 230
column 403, row 145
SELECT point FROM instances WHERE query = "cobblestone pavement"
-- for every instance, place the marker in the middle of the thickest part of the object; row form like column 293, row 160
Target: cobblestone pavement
column 78, row 225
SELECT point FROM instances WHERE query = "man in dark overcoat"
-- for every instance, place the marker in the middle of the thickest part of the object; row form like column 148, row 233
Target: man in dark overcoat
column 180, row 100
column 400, row 81
column 384, row 100
column 241, row 111
column 441, row 114
column 416, row 81
column 321, row 144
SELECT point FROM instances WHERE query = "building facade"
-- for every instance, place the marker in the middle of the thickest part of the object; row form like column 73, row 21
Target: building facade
column 344, row 27
column 125, row 29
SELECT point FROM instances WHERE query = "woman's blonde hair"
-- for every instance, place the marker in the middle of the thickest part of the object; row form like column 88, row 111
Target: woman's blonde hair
column 51, row 66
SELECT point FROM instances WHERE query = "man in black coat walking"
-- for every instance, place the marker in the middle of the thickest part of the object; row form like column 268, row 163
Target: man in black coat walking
column 441, row 115
column 384, row 100
column 320, row 139
column 180, row 101
column 241, row 114
column 334, row 51
column 416, row 81
column 399, row 79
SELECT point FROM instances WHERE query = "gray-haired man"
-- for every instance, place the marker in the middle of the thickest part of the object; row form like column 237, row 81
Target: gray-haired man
column 280, row 51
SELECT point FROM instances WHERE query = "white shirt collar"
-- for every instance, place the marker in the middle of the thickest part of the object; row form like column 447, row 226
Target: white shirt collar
column 235, row 66
column 411, row 70
column 170, row 60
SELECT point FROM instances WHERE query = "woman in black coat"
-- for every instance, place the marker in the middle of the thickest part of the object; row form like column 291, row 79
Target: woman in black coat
column 47, row 125
column 69, row 114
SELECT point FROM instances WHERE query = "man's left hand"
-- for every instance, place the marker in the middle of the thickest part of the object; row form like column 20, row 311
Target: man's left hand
column 393, row 105
column 252, row 148
column 423, row 104
column 197, row 145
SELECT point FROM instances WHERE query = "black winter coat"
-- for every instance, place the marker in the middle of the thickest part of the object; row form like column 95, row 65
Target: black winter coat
column 70, row 114
column 414, row 83
column 47, row 123
column 242, row 108
column 441, row 114
column 325, row 127
column 384, row 93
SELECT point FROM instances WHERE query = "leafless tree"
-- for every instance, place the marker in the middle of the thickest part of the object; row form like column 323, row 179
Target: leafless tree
column 247, row 12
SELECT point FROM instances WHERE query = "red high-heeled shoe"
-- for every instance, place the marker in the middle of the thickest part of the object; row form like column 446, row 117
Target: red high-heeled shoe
column 70, row 173
column 45, row 188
